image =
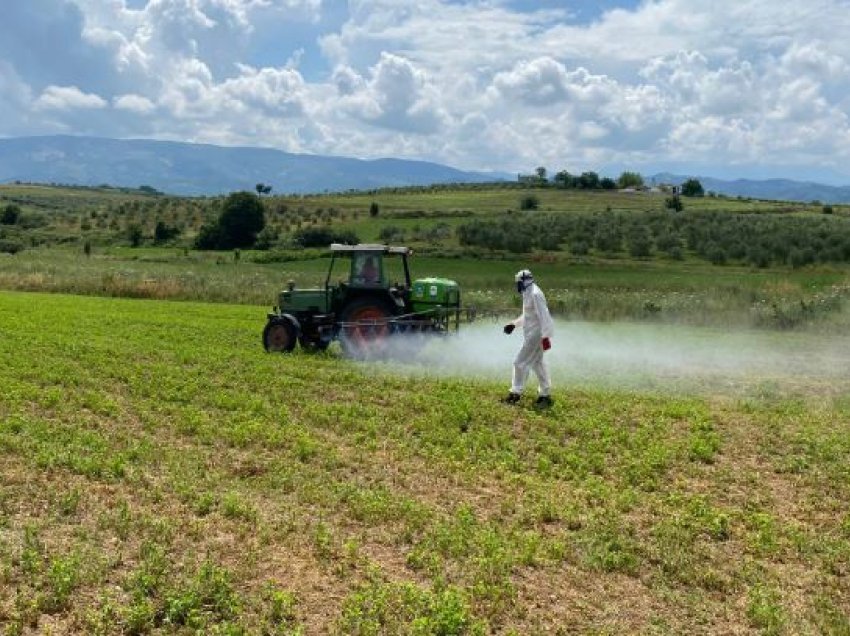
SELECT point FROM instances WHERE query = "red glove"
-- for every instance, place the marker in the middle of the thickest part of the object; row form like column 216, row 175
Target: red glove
column 546, row 344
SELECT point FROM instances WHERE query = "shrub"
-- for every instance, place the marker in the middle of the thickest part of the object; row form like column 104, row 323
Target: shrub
column 667, row 241
column 716, row 254
column 799, row 258
column 323, row 236
column 267, row 238
column 630, row 180
column 163, row 233
column 640, row 244
column 580, row 248
column 529, row 202
column 550, row 242
column 209, row 237
column 608, row 239
column 434, row 234
column 675, row 253
column 11, row 214
column 391, row 233
column 692, row 188
column 519, row 243
column 758, row 256
column 135, row 235
column 674, row 203
column 10, row 246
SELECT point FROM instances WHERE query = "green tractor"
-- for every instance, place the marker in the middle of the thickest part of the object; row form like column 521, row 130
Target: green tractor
column 365, row 311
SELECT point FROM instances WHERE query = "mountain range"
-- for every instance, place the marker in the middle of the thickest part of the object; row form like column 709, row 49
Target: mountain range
column 776, row 189
column 201, row 169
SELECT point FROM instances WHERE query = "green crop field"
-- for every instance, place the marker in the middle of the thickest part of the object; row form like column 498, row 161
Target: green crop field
column 162, row 474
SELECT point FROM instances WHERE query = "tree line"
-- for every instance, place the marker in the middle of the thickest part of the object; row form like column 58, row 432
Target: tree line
column 590, row 180
column 718, row 237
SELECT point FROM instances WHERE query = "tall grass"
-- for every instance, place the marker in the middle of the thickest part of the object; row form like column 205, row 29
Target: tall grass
column 685, row 293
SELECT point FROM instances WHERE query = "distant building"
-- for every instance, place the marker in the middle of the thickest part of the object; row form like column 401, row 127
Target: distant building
column 531, row 179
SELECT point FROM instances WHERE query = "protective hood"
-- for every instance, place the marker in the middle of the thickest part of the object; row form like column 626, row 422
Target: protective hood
column 523, row 279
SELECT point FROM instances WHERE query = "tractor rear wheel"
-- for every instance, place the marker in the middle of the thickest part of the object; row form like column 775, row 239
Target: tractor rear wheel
column 280, row 335
column 366, row 328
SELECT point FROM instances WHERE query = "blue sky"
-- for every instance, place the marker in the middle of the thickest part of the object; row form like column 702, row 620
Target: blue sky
column 750, row 88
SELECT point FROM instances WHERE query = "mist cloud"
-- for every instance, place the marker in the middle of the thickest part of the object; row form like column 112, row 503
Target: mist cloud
column 660, row 358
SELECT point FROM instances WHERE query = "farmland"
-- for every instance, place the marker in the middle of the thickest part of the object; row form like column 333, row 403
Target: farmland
column 162, row 474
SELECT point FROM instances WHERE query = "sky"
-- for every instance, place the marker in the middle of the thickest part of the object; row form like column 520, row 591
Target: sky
column 727, row 88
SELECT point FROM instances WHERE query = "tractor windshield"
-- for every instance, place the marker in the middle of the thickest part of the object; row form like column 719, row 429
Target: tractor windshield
column 367, row 270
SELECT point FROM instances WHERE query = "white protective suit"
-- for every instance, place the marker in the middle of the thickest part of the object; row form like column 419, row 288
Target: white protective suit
column 536, row 324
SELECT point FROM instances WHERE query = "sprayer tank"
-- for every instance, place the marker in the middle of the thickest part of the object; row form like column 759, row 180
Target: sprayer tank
column 427, row 293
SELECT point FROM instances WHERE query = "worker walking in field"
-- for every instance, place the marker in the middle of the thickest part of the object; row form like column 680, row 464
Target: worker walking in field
column 537, row 326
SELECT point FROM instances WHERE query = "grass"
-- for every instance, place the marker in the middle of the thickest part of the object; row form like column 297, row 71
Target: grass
column 162, row 474
column 687, row 292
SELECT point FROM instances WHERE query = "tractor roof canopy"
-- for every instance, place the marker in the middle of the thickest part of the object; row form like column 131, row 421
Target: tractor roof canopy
column 375, row 248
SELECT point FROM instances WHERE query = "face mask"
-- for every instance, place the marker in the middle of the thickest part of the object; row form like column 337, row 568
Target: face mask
column 523, row 280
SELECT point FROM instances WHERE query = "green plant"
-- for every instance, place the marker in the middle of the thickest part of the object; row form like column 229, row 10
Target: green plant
column 233, row 506
column 765, row 610
column 206, row 598
column 62, row 577
column 281, row 613
column 407, row 609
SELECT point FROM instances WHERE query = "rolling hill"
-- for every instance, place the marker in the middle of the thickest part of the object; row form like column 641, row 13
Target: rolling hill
column 201, row 169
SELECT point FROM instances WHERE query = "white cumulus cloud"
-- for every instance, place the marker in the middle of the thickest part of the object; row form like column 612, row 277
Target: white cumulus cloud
column 134, row 104
column 540, row 82
column 477, row 84
column 397, row 94
column 68, row 98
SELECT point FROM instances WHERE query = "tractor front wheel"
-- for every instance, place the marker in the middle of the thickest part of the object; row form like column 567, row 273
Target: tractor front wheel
column 365, row 328
column 280, row 335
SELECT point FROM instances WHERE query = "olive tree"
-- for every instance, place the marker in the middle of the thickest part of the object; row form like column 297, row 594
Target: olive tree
column 692, row 188
column 242, row 218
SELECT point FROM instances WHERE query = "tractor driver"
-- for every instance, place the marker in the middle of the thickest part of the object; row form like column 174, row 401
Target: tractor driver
column 369, row 273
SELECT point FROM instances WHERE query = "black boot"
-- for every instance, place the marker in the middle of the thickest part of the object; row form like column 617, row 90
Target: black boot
column 511, row 398
column 543, row 402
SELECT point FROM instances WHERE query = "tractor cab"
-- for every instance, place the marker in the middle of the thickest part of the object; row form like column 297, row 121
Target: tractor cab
column 368, row 266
